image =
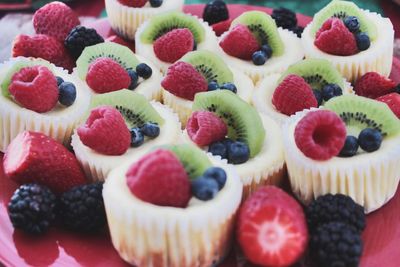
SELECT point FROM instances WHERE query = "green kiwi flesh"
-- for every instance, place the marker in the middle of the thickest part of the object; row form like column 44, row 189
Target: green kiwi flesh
column 134, row 107
column 243, row 121
column 211, row 66
column 342, row 9
column 119, row 53
column 161, row 24
column 316, row 72
column 264, row 28
column 360, row 112
column 193, row 159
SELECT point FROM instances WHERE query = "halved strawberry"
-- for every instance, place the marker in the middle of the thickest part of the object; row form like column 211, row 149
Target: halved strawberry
column 374, row 85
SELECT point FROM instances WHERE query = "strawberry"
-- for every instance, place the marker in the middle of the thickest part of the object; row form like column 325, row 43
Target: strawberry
column 335, row 38
column 272, row 228
column 293, row 94
column 55, row 19
column 105, row 75
column 204, row 128
column 33, row 157
column 35, row 88
column 173, row 45
column 133, row 3
column 118, row 40
column 221, row 27
column 393, row 101
column 105, row 131
column 160, row 178
column 183, row 80
column 374, row 85
column 43, row 46
column 240, row 42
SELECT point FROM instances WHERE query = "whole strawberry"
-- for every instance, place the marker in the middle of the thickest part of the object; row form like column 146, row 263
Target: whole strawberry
column 374, row 85
column 33, row 157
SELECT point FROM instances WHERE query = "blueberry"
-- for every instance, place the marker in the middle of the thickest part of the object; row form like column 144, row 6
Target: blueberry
column 215, row 11
column 212, row 86
column 218, row 174
column 150, row 129
column 194, row 45
column 143, row 70
column 267, row 50
column 134, row 79
column 370, row 140
column 227, row 142
column 238, row 152
column 363, row 41
column 137, row 137
column 318, row 96
column 156, row 3
column 331, row 90
column 352, row 24
column 59, row 80
column 218, row 149
column 66, row 94
column 229, row 86
column 259, row 58
column 350, row 147
column 204, row 188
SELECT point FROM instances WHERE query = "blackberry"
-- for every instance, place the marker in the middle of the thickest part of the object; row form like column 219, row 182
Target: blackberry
column 298, row 30
column 339, row 208
column 79, row 38
column 82, row 208
column 336, row 244
column 215, row 11
column 31, row 208
column 284, row 18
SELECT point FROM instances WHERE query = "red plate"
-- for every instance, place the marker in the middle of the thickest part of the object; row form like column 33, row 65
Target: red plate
column 61, row 248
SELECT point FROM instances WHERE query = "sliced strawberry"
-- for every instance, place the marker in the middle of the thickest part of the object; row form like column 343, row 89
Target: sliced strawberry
column 393, row 101
column 221, row 27
column 374, row 85
column 205, row 127
column 173, row 45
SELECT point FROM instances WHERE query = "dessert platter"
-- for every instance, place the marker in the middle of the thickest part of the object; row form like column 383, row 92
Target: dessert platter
column 223, row 135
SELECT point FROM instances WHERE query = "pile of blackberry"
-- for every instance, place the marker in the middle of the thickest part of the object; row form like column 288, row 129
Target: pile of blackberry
column 287, row 19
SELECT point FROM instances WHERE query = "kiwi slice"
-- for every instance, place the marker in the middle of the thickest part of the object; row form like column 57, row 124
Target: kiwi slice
column 243, row 121
column 134, row 107
column 211, row 66
column 161, row 24
column 342, row 9
column 121, row 54
column 360, row 112
column 316, row 72
column 263, row 26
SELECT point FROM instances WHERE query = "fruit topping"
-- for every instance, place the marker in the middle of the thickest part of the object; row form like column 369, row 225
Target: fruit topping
column 184, row 81
column 215, row 11
column 79, row 38
column 221, row 27
column 229, row 86
column 150, row 129
column 318, row 96
column 35, row 158
column 204, row 188
column 173, row 45
column 212, row 86
column 133, row 3
column 55, row 19
column 32, row 208
column 105, row 131
column 59, row 80
column 320, row 135
column 284, row 18
column 144, row 71
column 134, row 79
column 137, row 137
column 259, row 58
column 160, row 178
column 272, row 229
column 238, row 152
column 67, row 93
column 204, row 128
column 363, row 41
column 393, row 102
column 331, row 90
column 293, row 94
column 373, row 85
column 156, row 3
column 298, row 30
column 352, row 24
column 218, row 174
column 350, row 147
column 370, row 140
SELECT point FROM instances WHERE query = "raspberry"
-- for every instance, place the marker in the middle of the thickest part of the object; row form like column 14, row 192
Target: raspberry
column 221, row 27
column 183, row 80
column 320, row 135
column 205, row 127
column 374, row 85
column 105, row 131
column 105, row 75
column 393, row 101
column 160, row 178
column 334, row 38
column 35, row 88
column 55, row 19
column 43, row 46
column 293, row 94
column 240, row 42
column 173, row 45
column 133, row 3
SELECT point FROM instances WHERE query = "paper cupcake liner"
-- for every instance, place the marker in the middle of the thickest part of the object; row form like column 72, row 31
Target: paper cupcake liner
column 149, row 235
column 371, row 179
column 377, row 58
column 125, row 20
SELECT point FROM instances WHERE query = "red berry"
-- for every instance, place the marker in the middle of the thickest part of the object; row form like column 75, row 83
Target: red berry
column 334, row 38
column 293, row 94
column 105, row 131
column 133, row 3
column 55, row 19
column 105, row 75
column 272, row 229
column 221, row 27
column 374, row 85
column 35, row 88
column 118, row 40
column 204, row 128
column 35, row 158
column 240, row 42
column 393, row 101
column 320, row 135
column 160, row 178
column 183, row 80
column 173, row 45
